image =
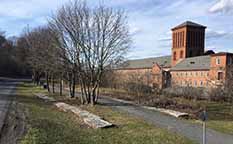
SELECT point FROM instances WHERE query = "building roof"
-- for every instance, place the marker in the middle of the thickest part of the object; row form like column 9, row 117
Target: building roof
column 194, row 63
column 164, row 61
column 189, row 23
column 222, row 53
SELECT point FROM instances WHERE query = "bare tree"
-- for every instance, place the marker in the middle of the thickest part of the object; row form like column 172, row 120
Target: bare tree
column 43, row 55
column 92, row 40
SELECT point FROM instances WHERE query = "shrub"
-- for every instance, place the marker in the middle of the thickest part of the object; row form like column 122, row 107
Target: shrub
column 221, row 95
column 186, row 92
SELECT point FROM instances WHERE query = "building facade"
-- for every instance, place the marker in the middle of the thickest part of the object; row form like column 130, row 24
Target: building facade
column 188, row 65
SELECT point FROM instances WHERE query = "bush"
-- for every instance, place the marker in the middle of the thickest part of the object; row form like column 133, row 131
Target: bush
column 139, row 88
column 186, row 92
column 221, row 95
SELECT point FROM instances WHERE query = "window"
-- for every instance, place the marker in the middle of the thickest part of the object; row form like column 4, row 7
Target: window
column 174, row 56
column 229, row 61
column 195, row 83
column 173, row 41
column 201, row 83
column 196, row 73
column 207, row 74
column 220, row 75
column 218, row 61
column 181, row 54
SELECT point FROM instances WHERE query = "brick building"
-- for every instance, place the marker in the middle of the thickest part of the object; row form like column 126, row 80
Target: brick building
column 188, row 64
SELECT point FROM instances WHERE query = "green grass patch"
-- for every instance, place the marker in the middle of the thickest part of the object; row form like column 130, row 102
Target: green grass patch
column 47, row 125
column 220, row 116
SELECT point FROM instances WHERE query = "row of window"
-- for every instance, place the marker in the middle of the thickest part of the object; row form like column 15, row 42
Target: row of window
column 178, row 39
column 181, row 74
column 194, row 83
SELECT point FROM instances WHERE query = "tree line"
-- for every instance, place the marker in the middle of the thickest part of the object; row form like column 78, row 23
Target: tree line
column 77, row 45
column 12, row 58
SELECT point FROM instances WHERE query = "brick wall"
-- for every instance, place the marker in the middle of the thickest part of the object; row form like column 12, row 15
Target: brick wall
column 198, row 78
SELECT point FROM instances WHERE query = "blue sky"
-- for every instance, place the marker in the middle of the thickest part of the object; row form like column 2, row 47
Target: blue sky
column 150, row 20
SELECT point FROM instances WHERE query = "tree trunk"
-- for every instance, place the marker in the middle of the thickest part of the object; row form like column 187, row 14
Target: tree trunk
column 61, row 86
column 70, row 88
column 138, row 93
column 85, row 93
column 53, row 84
column 97, row 94
column 74, row 83
column 47, row 81
column 93, row 97
column 82, row 93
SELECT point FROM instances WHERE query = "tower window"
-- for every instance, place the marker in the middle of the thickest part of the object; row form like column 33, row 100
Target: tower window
column 182, row 39
column 178, row 39
column 181, row 54
column 174, row 56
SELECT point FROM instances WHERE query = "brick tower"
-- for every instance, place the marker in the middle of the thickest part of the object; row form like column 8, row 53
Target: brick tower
column 188, row 40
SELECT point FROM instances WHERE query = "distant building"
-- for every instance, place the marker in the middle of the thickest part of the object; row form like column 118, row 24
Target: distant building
column 189, row 64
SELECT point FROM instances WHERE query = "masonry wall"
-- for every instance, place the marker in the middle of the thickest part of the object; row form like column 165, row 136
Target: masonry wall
column 229, row 70
column 187, row 42
column 153, row 77
column 131, row 75
column 158, row 78
column 221, row 69
column 198, row 78
column 179, row 39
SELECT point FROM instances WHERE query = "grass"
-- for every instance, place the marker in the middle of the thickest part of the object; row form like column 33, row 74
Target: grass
column 47, row 125
column 220, row 116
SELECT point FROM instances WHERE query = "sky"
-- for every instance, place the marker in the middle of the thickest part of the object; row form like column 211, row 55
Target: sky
column 150, row 21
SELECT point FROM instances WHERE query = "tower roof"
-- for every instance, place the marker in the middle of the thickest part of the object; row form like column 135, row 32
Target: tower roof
column 189, row 23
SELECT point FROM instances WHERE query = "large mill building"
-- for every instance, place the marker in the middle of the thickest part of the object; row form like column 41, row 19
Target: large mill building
column 188, row 65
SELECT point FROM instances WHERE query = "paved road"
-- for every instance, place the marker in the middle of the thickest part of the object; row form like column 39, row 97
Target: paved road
column 7, row 87
column 182, row 127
